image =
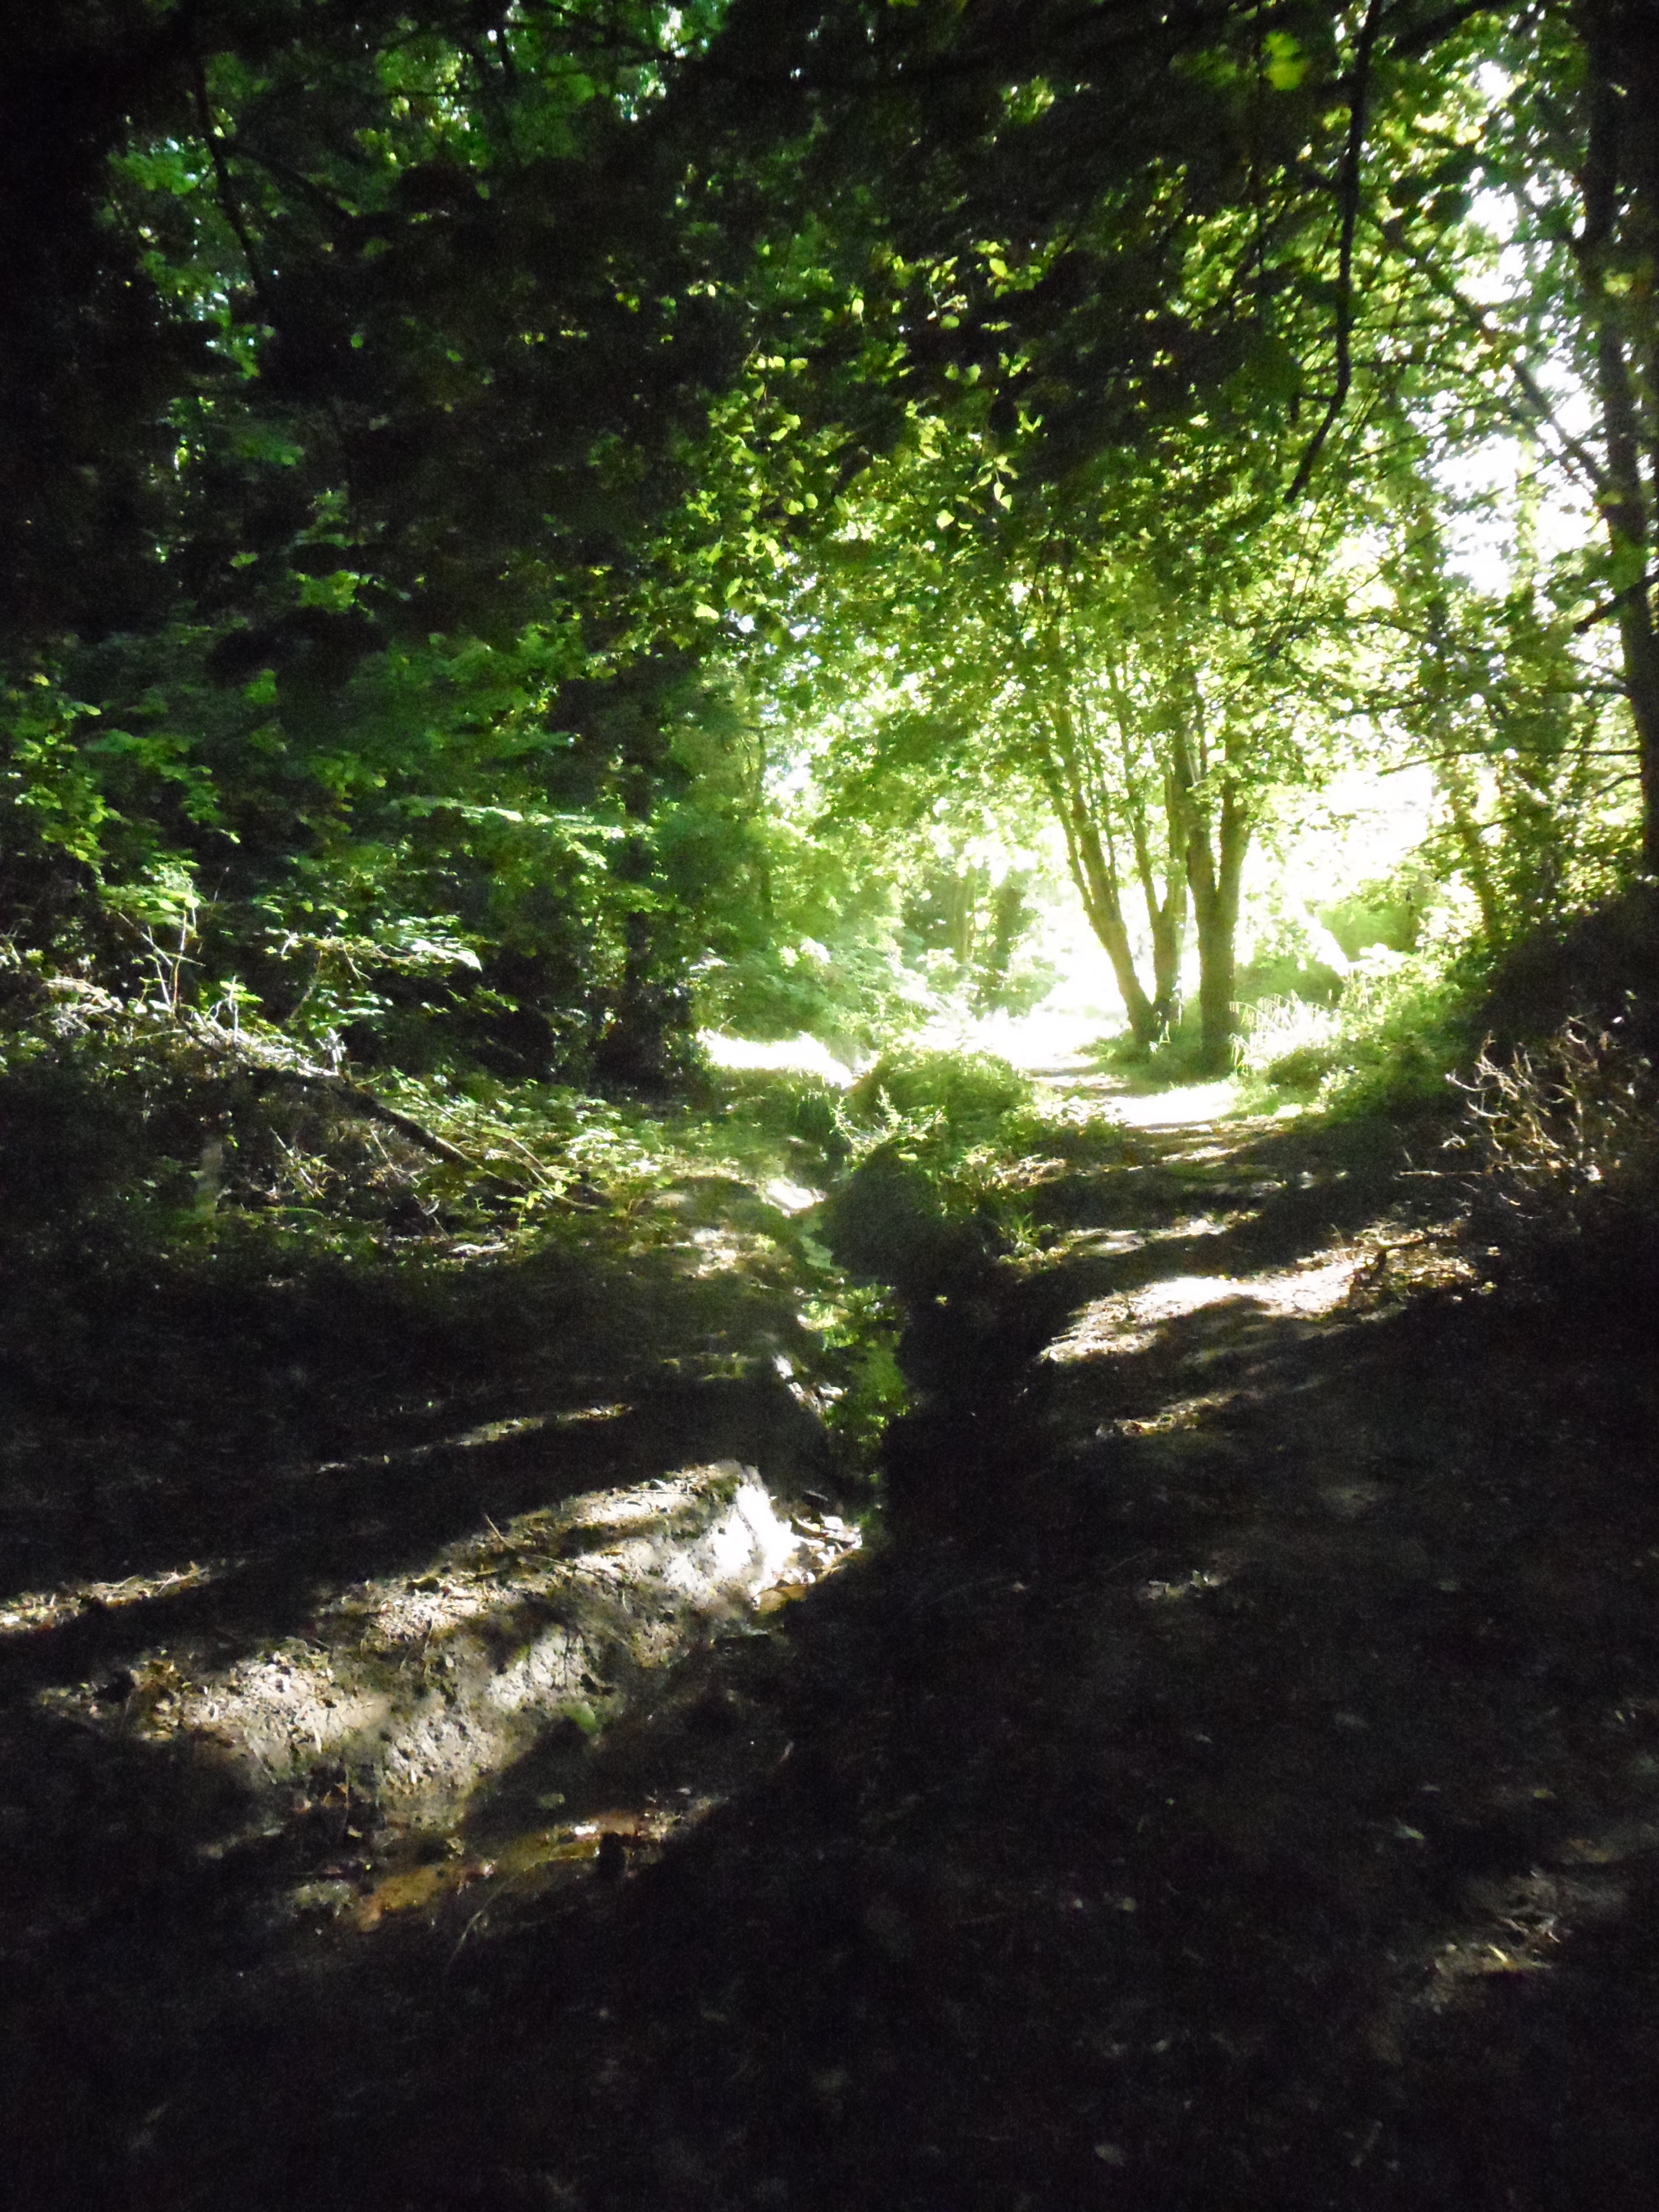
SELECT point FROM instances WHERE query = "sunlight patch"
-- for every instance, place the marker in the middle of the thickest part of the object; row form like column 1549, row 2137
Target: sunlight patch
column 1191, row 1585
column 1523, row 1922
column 30, row 1610
column 516, row 1869
column 721, row 1251
column 798, row 1056
column 1194, row 1103
column 415, row 1687
column 1112, row 1327
column 790, row 1197
column 1181, row 1413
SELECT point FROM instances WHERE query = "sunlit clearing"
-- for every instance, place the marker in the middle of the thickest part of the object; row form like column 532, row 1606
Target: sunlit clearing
column 1053, row 1039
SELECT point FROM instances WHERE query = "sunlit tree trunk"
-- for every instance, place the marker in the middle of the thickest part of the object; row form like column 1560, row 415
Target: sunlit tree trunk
column 1166, row 905
column 1166, row 914
column 1217, row 837
column 1094, row 868
column 1082, row 809
column 1094, row 871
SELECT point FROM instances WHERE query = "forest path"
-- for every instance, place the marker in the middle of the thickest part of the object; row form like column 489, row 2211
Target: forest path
column 1236, row 1783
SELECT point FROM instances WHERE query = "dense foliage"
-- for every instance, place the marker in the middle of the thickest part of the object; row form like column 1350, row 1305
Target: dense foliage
column 530, row 526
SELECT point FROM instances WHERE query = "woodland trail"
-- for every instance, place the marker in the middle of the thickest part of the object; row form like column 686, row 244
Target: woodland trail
column 1236, row 1783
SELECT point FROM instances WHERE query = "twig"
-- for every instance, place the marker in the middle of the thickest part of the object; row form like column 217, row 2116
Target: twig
column 480, row 1914
column 376, row 1110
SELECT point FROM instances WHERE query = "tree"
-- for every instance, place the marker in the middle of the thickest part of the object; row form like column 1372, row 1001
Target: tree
column 355, row 512
column 1578, row 154
column 431, row 419
column 1144, row 656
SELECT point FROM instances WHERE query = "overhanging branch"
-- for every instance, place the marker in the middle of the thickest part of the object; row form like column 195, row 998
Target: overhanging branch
column 1348, row 197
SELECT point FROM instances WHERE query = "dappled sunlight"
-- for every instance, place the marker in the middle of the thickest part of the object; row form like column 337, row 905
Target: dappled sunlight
column 790, row 1197
column 1523, row 1922
column 476, row 1438
column 1115, row 1244
column 797, row 1056
column 1178, row 1413
column 1187, row 1106
column 419, row 1685
column 766, row 758
column 509, row 1874
column 1171, row 1590
column 1118, row 1325
column 32, row 1610
column 721, row 1251
column 1515, row 1927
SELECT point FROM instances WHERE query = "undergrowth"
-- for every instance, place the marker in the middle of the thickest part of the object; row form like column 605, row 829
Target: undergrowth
column 215, row 1228
column 1563, row 1140
column 204, row 1229
column 1388, row 1046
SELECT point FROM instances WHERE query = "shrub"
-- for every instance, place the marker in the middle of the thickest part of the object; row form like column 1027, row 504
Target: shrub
column 1565, row 1139
column 967, row 1093
column 1288, row 1040
column 929, row 1202
column 785, row 1103
column 1400, row 1029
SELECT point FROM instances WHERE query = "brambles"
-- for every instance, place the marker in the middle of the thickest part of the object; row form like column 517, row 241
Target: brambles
column 1565, row 1135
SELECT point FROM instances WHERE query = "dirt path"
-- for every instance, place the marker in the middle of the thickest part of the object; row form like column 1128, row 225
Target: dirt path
column 1235, row 1783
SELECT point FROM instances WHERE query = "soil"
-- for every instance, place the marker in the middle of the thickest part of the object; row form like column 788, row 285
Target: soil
column 1231, row 1779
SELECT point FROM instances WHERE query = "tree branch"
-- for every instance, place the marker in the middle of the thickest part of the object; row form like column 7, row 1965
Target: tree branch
column 1475, row 319
column 1348, row 195
column 1614, row 605
column 227, row 201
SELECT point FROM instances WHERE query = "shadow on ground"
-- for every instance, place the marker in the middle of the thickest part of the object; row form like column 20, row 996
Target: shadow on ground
column 1235, row 1784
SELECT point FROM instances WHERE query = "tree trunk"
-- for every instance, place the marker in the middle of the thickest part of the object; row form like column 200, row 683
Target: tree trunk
column 1216, row 1013
column 1169, row 926
column 1166, row 911
column 1215, row 876
column 1166, row 916
column 648, row 1040
column 1216, row 880
column 1103, row 903
column 1095, row 874
column 1611, row 157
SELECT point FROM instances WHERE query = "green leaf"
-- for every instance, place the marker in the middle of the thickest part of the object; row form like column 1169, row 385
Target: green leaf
column 1286, row 65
